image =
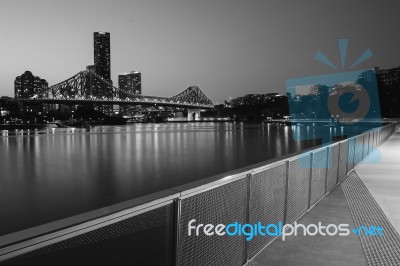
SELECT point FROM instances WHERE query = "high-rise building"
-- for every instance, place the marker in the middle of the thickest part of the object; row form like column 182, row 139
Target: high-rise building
column 27, row 85
column 389, row 95
column 130, row 83
column 389, row 78
column 102, row 55
column 102, row 66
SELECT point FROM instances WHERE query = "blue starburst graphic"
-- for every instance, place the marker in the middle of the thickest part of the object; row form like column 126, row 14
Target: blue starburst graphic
column 348, row 101
column 343, row 43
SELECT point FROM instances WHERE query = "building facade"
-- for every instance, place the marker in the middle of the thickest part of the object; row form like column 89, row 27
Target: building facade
column 102, row 65
column 27, row 85
column 389, row 78
column 254, row 99
column 102, row 55
column 131, row 83
column 389, row 91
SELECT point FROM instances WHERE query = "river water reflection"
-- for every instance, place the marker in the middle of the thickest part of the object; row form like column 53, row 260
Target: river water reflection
column 52, row 174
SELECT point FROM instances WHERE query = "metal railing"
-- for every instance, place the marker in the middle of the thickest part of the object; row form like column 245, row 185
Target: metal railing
column 153, row 230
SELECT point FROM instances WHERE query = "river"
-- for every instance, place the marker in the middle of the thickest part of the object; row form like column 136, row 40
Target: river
column 50, row 174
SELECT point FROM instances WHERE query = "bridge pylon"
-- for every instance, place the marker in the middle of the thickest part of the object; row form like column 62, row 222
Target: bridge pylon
column 193, row 114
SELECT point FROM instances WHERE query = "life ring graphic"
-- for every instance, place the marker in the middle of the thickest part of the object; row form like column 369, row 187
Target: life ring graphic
column 359, row 93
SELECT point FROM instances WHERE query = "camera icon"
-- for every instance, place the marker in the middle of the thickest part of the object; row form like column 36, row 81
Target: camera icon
column 344, row 104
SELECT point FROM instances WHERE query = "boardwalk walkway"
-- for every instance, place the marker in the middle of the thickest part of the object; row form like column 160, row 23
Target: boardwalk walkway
column 369, row 196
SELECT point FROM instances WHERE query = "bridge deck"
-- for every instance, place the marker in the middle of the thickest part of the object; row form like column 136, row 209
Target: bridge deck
column 144, row 102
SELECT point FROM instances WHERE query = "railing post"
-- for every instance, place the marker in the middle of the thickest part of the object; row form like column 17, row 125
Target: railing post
column 246, row 243
column 362, row 148
column 353, row 160
column 286, row 192
column 328, row 150
column 177, row 223
column 310, row 180
column 338, row 167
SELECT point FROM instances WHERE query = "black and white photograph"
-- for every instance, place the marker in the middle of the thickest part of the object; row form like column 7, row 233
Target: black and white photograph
column 199, row 133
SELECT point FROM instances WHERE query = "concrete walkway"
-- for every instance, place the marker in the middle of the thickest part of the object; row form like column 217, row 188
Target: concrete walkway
column 317, row 250
column 382, row 179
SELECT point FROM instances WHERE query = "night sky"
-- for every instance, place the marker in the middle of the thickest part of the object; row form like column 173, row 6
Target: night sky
column 226, row 47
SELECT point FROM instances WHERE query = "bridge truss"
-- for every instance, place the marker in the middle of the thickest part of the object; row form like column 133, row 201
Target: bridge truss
column 88, row 87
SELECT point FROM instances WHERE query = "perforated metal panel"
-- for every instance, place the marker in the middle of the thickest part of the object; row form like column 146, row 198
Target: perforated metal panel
column 371, row 142
column 362, row 146
column 350, row 154
column 377, row 137
column 343, row 160
column 384, row 134
column 267, row 202
column 318, row 177
column 358, row 151
column 145, row 239
column 365, row 145
column 298, row 188
column 222, row 205
column 333, row 164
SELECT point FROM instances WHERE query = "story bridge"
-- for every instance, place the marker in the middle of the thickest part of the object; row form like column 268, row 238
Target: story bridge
column 86, row 87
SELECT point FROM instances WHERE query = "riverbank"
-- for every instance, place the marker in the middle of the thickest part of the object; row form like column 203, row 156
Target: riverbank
column 22, row 126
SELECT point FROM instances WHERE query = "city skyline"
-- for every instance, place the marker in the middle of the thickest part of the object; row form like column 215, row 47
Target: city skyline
column 227, row 48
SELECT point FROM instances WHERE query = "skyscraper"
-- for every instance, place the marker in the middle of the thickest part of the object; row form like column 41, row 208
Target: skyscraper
column 102, row 55
column 27, row 85
column 130, row 83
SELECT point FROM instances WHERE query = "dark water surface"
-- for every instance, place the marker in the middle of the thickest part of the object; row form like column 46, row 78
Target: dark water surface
column 51, row 174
